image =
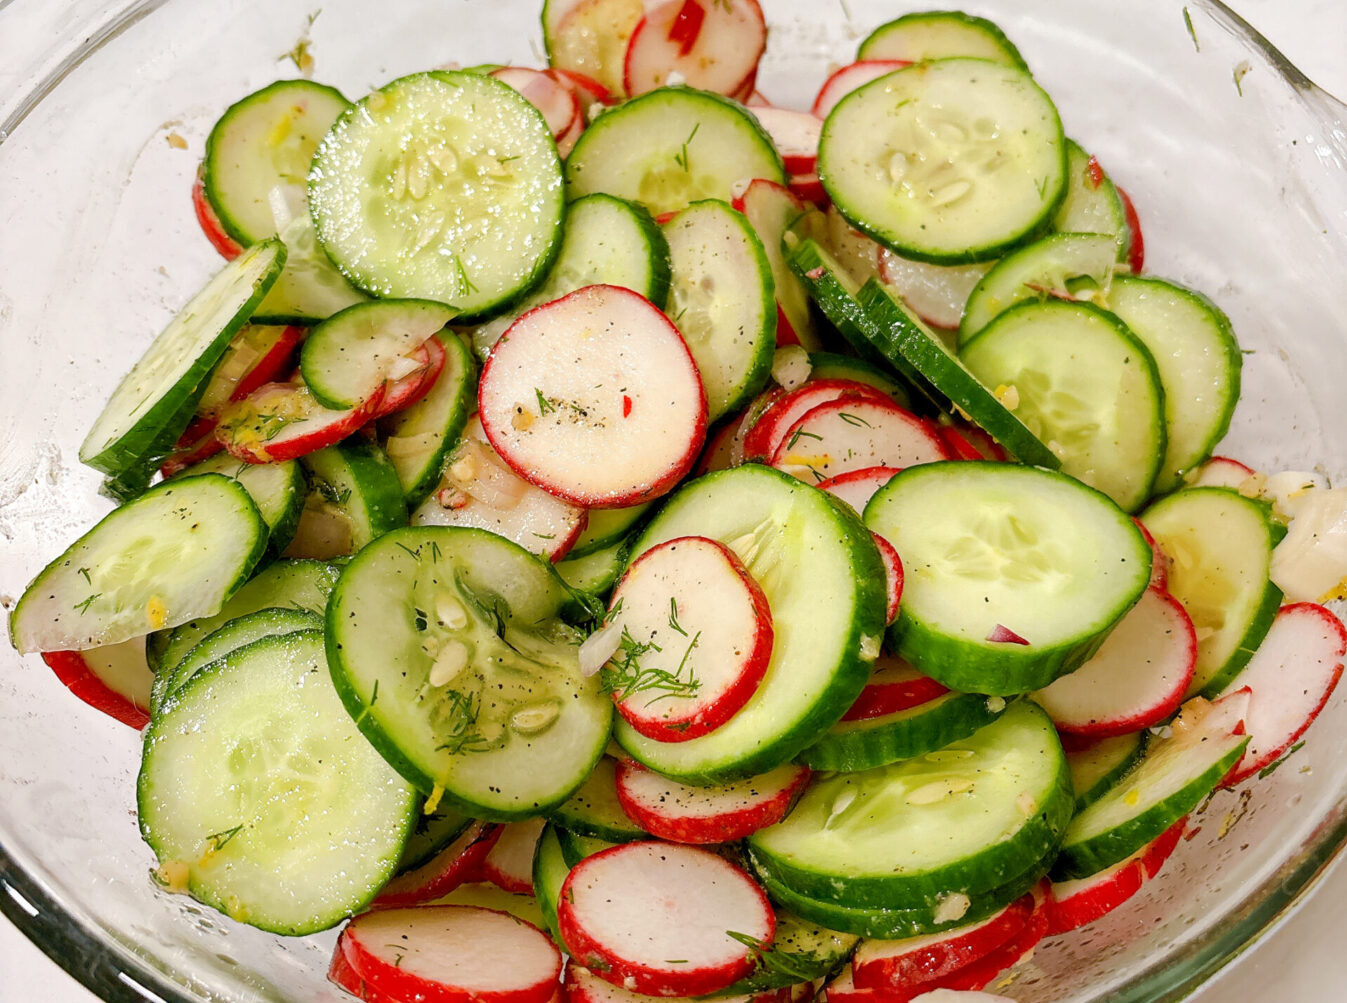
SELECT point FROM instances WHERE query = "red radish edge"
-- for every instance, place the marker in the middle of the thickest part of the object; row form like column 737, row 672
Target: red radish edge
column 211, row 226
column 1001, row 634
column 882, row 696
column 771, row 427
column 838, row 84
column 1092, row 899
column 580, row 82
column 1136, row 256
column 509, row 863
column 687, row 25
column 406, row 391
column 702, row 69
column 893, row 574
column 80, row 679
column 458, row 862
column 337, row 426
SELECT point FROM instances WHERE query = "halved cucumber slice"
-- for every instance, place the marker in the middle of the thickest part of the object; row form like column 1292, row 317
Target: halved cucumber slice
column 154, row 401
column 878, row 741
column 607, row 527
column 354, row 497
column 549, row 874
column 962, row 820
column 723, row 301
column 277, row 489
column 1100, row 765
column 1198, row 360
column 798, row 543
column 593, row 810
column 434, row 832
column 671, row 147
column 607, row 241
column 1092, row 203
column 1013, row 575
column 594, row 573
column 178, row 551
column 417, row 439
column 939, row 34
column 575, row 847
column 444, row 186
column 1220, row 547
column 1084, row 385
column 906, row 159
column 286, row 848
column 456, row 652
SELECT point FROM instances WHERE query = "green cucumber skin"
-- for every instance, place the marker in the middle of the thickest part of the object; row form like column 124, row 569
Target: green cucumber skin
column 830, row 366
column 610, row 540
column 1077, row 160
column 286, row 517
column 661, row 270
column 862, row 745
column 575, row 847
column 988, row 28
column 794, row 942
column 1259, row 625
column 596, row 573
column 549, row 873
column 376, row 504
column 1080, row 860
column 1113, row 777
column 581, row 815
column 423, row 845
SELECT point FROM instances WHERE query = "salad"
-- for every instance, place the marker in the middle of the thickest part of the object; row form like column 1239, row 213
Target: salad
column 757, row 552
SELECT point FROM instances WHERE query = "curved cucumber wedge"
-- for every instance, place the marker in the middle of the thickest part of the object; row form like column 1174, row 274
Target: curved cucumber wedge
column 443, row 186
column 670, row 147
column 593, row 810
column 176, row 552
column 798, row 543
column 431, row 834
column 1085, row 385
column 455, row 651
column 1100, row 766
column 1092, row 203
column 575, row 847
column 154, row 401
column 878, row 741
column 965, row 819
column 222, row 805
column 939, row 34
column 723, row 301
column 549, row 874
column 354, row 497
column 1220, row 545
column 277, row 489
column 594, row 573
column 1013, row 575
column 607, row 527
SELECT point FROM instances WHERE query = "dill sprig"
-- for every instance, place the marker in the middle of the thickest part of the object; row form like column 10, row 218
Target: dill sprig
column 624, row 676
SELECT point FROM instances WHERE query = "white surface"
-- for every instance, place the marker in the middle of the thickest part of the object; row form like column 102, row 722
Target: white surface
column 1303, row 961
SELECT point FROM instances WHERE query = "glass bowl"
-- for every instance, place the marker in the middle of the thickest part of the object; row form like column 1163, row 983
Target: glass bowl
column 1237, row 163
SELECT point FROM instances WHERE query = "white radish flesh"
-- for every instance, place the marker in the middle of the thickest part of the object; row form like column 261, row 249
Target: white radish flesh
column 554, row 100
column 774, row 423
column 936, row 293
column 509, row 865
column 713, row 45
column 685, row 814
column 857, row 487
column 848, row 78
column 795, row 135
column 842, row 436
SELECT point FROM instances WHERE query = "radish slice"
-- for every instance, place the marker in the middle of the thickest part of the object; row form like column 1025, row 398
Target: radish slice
column 554, row 99
column 907, row 963
column 197, row 443
column 1292, row 675
column 771, row 429
column 1160, row 561
column 848, row 78
column 857, row 487
column 113, row 678
column 590, row 37
column 567, row 142
column 774, row 210
column 893, row 574
column 968, row 442
column 936, row 293
column 429, row 359
column 842, row 436
column 656, row 918
column 719, row 445
column 721, row 814
column 452, row 954
column 696, row 639
column 894, row 686
column 479, row 489
column 586, row 89
column 456, row 863
column 1136, row 679
column 282, row 421
column 1136, row 256
column 795, row 135
column 714, row 45
column 211, row 226
column 757, row 100
column 1220, row 472
column 583, row 986
column 595, row 398
column 1076, row 903
column 808, row 187
column 509, row 863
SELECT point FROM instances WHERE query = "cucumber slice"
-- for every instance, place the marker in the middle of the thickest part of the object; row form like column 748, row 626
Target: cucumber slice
column 607, row 527
column 483, row 895
column 232, row 636
column 940, row 34
column 277, row 489
column 297, row 584
column 888, row 162
column 575, row 847
column 1220, row 546
column 831, row 366
column 350, row 355
column 1172, row 778
column 455, row 651
column 549, row 874
column 992, row 551
column 671, row 147
column 222, row 804
column 1034, row 272
column 800, row 952
column 723, row 301
column 965, row 819
column 150, row 405
column 1085, row 385
column 897, row 332
column 798, row 543
column 1198, row 360
column 1098, row 767
column 443, row 186
column 177, row 552
column 431, row 834
column 354, row 497
column 594, row 573
column 417, row 439
column 607, row 241
column 878, row 741
column 593, row 810
column 1092, row 203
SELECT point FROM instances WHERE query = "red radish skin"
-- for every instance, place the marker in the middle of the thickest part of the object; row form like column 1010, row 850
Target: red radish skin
column 509, row 863
column 845, row 80
column 1136, row 257
column 583, row 986
column 906, row 964
column 773, row 209
column 114, row 679
column 197, row 443
column 752, row 414
column 1221, row 472
column 458, row 862
column 211, row 226
column 567, row 142
column 840, row 436
column 893, row 573
column 1076, row 903
column 960, row 448
column 693, row 597
column 343, row 976
column 1160, row 561
column 747, row 89
column 1291, row 676
column 282, row 421
column 772, row 427
column 653, row 918
column 795, row 134
column 554, row 100
column 785, row 330
column 406, row 391
column 585, row 88
column 857, row 487
column 720, row 54
column 452, row 954
column 808, row 187
column 684, row 814
column 895, row 686
column 551, row 398
column 1135, row 680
